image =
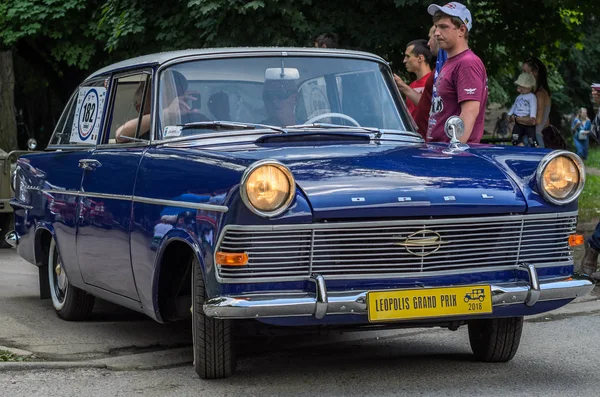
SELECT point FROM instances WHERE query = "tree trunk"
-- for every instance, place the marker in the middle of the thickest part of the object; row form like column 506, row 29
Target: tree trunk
column 8, row 121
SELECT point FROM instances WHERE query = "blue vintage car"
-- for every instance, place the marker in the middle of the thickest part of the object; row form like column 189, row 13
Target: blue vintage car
column 289, row 186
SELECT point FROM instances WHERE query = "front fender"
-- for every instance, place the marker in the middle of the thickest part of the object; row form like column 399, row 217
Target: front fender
column 521, row 164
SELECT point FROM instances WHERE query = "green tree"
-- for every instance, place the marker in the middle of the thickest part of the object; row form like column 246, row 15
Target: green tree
column 63, row 40
column 8, row 125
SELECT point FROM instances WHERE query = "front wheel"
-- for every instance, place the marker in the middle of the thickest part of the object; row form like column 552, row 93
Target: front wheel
column 214, row 356
column 70, row 303
column 495, row 340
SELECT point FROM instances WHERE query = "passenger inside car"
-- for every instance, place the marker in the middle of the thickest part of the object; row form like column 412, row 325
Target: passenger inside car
column 280, row 98
column 218, row 104
column 130, row 127
column 175, row 95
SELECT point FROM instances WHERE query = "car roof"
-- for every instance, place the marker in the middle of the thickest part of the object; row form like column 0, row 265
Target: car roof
column 163, row 57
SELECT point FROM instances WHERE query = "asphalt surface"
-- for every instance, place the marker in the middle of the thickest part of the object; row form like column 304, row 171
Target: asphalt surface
column 121, row 353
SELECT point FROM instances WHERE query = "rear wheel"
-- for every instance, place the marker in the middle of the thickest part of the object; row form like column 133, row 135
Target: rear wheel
column 495, row 340
column 70, row 303
column 214, row 356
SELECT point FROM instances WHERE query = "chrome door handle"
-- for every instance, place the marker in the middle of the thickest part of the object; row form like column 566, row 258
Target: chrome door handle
column 89, row 164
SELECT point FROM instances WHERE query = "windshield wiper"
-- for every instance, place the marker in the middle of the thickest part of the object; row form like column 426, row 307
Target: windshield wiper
column 229, row 125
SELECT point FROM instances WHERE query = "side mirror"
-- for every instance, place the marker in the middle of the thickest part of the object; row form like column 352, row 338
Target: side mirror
column 32, row 144
column 454, row 128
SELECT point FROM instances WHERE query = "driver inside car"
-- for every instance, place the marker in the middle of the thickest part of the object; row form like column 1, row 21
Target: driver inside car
column 280, row 97
column 179, row 111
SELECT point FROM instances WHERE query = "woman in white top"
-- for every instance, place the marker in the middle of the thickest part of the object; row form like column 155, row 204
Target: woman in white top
column 542, row 92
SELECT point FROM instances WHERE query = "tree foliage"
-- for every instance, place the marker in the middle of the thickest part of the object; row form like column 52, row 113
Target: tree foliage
column 65, row 39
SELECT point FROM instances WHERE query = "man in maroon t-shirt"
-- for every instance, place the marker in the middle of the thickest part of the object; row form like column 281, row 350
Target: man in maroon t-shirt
column 462, row 83
column 417, row 59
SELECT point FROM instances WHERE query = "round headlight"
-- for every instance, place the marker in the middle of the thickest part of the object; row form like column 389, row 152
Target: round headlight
column 268, row 188
column 561, row 177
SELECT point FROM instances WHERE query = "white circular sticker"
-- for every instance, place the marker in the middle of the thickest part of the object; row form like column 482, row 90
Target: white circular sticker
column 88, row 113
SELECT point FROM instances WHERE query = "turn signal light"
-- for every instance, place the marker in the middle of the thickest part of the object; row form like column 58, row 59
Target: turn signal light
column 232, row 259
column 576, row 239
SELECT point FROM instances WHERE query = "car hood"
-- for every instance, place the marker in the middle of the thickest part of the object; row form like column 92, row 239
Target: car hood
column 348, row 181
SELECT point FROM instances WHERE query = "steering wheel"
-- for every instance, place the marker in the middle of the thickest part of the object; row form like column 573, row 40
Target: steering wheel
column 327, row 115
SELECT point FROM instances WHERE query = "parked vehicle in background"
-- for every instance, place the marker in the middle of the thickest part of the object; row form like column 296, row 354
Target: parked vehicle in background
column 288, row 186
column 7, row 166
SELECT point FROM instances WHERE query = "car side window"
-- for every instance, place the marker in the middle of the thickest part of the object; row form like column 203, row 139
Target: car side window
column 81, row 120
column 130, row 117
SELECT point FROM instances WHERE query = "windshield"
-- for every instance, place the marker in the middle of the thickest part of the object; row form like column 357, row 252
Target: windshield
column 278, row 91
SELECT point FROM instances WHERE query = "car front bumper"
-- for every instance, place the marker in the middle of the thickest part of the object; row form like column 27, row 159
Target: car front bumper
column 322, row 302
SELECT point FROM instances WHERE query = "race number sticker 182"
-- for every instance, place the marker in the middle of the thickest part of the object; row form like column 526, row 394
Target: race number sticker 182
column 88, row 113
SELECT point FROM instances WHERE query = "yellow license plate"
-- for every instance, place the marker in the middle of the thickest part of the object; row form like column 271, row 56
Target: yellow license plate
column 424, row 303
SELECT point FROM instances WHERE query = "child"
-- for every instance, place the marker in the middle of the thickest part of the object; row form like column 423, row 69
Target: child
column 525, row 106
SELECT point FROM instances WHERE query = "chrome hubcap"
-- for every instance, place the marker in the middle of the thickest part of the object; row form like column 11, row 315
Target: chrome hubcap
column 61, row 277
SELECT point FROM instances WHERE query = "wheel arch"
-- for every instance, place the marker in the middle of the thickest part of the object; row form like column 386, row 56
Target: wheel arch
column 43, row 236
column 41, row 247
column 171, row 286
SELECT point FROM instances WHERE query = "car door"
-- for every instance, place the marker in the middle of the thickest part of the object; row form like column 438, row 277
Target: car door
column 103, row 234
column 58, row 177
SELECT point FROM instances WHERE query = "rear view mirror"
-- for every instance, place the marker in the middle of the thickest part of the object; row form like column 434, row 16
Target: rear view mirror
column 282, row 74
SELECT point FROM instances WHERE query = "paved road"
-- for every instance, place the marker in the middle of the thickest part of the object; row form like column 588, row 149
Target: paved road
column 559, row 355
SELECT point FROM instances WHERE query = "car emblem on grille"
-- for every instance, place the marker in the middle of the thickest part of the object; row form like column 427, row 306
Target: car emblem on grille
column 423, row 243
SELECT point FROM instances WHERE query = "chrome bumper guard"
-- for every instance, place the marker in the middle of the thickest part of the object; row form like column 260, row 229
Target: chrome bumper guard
column 323, row 303
column 12, row 238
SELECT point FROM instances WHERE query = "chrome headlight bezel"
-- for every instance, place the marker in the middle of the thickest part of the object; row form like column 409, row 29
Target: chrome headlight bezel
column 542, row 167
column 291, row 193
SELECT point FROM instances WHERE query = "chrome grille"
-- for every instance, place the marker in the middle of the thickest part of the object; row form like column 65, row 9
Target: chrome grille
column 374, row 249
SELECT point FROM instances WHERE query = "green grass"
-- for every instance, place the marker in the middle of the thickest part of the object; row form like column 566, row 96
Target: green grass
column 589, row 205
column 8, row 356
column 593, row 159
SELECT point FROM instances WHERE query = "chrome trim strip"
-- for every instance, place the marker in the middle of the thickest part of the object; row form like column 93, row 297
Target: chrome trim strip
column 383, row 276
column 16, row 203
column 264, row 305
column 185, row 204
column 140, row 199
column 399, row 222
column 82, row 146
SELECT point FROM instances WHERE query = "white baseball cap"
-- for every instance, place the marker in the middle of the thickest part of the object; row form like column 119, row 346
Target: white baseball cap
column 453, row 9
